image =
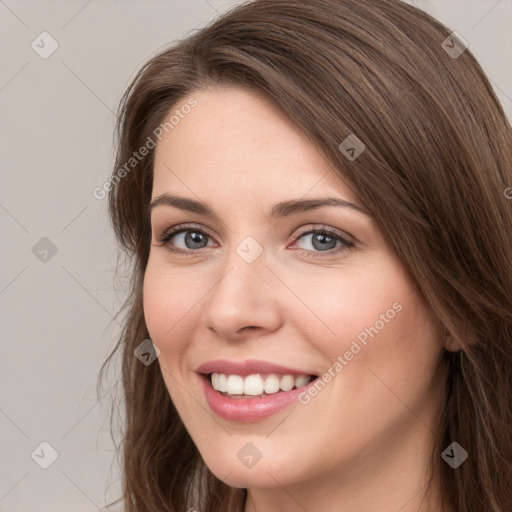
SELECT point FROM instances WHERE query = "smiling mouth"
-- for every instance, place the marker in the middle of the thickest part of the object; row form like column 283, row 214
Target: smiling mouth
column 257, row 385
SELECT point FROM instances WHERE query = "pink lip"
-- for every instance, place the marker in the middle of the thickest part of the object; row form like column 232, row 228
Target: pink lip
column 247, row 367
column 247, row 410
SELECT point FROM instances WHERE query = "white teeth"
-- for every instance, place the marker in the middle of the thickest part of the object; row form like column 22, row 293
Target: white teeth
column 235, row 385
column 223, row 383
column 255, row 385
column 287, row 382
column 271, row 384
column 301, row 381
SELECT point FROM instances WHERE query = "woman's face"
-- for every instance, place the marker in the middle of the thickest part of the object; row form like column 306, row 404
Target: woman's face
column 257, row 288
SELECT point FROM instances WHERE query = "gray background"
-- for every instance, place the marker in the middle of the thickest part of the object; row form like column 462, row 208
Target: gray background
column 56, row 144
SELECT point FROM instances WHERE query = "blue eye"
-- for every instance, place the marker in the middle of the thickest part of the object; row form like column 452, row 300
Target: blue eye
column 192, row 238
column 323, row 241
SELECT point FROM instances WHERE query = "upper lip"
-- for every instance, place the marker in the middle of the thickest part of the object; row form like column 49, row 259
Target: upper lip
column 247, row 367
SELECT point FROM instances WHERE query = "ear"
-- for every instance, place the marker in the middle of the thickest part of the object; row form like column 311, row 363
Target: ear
column 452, row 345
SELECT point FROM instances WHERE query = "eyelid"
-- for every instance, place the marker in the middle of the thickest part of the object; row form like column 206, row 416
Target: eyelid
column 179, row 228
column 323, row 228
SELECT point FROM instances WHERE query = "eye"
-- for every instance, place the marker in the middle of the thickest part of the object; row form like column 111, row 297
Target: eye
column 185, row 239
column 322, row 240
column 191, row 239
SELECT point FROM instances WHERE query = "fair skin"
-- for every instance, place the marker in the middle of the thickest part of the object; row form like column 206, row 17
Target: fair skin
column 362, row 444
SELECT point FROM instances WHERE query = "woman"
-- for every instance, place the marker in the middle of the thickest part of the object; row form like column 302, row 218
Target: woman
column 312, row 196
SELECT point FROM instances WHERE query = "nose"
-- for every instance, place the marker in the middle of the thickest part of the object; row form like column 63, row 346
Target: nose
column 243, row 301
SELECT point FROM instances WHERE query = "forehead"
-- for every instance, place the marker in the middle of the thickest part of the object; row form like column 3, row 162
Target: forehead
column 235, row 142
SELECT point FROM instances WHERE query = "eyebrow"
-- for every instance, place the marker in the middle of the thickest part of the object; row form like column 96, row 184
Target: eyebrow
column 279, row 210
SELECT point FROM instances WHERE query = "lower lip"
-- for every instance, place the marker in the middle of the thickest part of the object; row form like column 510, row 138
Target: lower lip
column 248, row 409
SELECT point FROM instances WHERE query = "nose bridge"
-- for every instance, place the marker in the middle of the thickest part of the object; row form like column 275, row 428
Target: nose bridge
column 241, row 296
column 244, row 269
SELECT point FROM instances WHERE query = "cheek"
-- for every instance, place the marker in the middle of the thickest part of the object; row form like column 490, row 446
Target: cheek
column 348, row 304
column 373, row 318
column 169, row 303
column 169, row 314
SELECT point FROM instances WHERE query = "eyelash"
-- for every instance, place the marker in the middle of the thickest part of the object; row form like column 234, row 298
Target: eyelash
column 325, row 230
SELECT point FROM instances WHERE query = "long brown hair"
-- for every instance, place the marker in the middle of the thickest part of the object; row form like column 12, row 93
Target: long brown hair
column 434, row 173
